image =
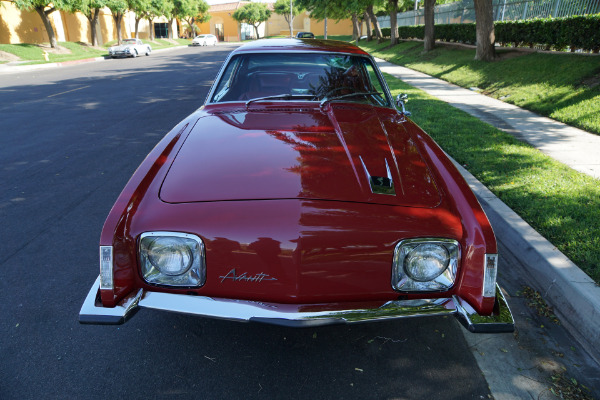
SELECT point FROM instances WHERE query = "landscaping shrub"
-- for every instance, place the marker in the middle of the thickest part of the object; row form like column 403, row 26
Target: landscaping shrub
column 579, row 32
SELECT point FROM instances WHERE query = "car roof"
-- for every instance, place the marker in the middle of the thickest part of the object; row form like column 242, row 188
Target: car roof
column 293, row 44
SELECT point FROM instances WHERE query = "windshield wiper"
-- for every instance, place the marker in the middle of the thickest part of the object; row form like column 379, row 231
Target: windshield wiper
column 325, row 100
column 279, row 96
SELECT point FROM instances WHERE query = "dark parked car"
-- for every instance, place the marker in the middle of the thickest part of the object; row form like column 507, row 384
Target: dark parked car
column 299, row 194
column 305, row 35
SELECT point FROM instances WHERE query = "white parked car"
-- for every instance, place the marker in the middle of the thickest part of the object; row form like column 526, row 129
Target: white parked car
column 130, row 48
column 205, row 40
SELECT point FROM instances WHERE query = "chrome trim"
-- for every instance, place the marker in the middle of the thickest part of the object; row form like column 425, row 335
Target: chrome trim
column 379, row 188
column 284, row 314
column 500, row 321
column 92, row 311
column 401, row 100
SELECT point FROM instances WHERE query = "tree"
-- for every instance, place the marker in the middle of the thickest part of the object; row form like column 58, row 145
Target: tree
column 197, row 13
column 253, row 14
column 156, row 9
column 91, row 10
column 183, row 9
column 118, row 8
column 374, row 20
column 282, row 7
column 484, row 26
column 429, row 39
column 140, row 8
column 367, row 20
column 337, row 10
column 355, row 28
column 44, row 8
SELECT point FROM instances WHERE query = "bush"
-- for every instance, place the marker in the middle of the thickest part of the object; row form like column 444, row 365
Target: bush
column 411, row 32
column 463, row 33
column 579, row 32
column 386, row 32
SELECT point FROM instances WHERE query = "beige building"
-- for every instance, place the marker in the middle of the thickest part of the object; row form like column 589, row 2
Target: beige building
column 222, row 24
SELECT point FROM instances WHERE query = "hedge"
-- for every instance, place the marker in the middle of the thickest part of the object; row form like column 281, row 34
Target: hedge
column 579, row 32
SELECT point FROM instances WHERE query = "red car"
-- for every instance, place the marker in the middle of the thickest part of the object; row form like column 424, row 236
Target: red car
column 299, row 195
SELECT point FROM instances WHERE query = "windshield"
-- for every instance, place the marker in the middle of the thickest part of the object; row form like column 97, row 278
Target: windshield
column 129, row 41
column 312, row 76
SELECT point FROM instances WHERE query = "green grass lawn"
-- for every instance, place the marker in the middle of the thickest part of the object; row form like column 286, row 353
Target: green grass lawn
column 34, row 54
column 563, row 205
column 344, row 38
column 564, row 86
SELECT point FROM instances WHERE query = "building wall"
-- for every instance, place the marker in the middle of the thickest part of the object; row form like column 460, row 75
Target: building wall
column 76, row 27
column 231, row 29
column 343, row 27
column 18, row 26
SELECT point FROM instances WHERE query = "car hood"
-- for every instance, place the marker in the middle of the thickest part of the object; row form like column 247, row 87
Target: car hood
column 347, row 153
column 121, row 47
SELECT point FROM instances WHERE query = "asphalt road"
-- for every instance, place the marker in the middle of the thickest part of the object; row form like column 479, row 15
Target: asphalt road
column 70, row 138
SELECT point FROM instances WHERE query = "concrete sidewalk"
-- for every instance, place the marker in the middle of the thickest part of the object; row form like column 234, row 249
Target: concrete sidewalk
column 576, row 148
column 573, row 294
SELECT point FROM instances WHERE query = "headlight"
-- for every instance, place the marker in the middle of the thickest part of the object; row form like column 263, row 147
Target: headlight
column 172, row 259
column 425, row 265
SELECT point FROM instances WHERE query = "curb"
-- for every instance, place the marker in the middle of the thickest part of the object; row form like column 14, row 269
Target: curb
column 573, row 294
column 34, row 67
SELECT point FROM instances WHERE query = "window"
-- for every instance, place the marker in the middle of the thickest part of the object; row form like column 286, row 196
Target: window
column 311, row 76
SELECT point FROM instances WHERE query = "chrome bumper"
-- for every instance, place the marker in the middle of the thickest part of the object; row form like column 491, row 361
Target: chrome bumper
column 92, row 311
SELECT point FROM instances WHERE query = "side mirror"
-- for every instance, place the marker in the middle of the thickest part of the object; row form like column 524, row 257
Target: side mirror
column 401, row 100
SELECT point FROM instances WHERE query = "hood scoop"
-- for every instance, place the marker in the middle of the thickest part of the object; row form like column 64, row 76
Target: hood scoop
column 380, row 184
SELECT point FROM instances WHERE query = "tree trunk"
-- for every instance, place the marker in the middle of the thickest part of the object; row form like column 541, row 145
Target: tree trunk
column 375, row 23
column 94, row 27
column 170, row 29
column 256, row 30
column 484, row 25
column 325, row 28
column 151, row 23
column 394, row 22
column 287, row 19
column 429, row 39
column 192, row 24
column 368, row 23
column 355, row 28
column 44, row 15
column 137, row 23
column 92, row 18
column 118, row 17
